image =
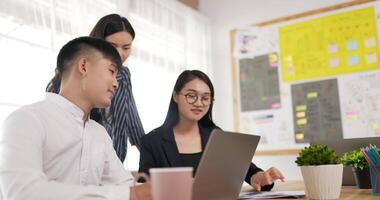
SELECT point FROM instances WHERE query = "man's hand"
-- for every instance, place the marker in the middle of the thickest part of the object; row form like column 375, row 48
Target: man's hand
column 266, row 178
column 143, row 192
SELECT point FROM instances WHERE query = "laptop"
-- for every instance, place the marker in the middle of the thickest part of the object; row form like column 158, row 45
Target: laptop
column 224, row 165
column 345, row 145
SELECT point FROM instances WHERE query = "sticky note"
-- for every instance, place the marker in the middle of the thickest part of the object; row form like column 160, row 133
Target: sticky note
column 352, row 45
column 290, row 69
column 300, row 114
column 273, row 57
column 371, row 58
column 288, row 59
column 334, row 62
column 300, row 136
column 264, row 98
column 301, row 108
column 332, row 48
column 302, row 121
column 351, row 116
column 374, row 125
column 312, row 95
column 276, row 105
column 353, row 60
column 273, row 64
column 370, row 42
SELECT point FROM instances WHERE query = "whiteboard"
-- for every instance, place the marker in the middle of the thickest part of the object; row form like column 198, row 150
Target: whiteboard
column 327, row 68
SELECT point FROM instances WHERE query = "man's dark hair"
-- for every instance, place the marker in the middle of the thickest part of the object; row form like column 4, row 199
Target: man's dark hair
column 76, row 48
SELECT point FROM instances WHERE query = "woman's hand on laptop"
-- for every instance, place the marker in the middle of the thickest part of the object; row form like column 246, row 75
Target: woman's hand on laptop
column 266, row 178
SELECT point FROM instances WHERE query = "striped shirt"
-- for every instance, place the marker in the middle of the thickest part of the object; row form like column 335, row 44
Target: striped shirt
column 124, row 123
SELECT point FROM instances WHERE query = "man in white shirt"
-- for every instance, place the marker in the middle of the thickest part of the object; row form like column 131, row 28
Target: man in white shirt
column 52, row 150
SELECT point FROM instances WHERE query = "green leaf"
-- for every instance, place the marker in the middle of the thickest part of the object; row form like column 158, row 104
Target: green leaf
column 354, row 159
column 317, row 155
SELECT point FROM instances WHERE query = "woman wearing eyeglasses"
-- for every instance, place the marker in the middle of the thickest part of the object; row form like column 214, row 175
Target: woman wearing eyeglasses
column 180, row 141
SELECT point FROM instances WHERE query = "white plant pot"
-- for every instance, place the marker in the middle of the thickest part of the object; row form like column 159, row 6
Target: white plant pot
column 323, row 181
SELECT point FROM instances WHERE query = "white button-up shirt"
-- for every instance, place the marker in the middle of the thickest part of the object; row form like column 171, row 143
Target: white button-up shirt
column 47, row 152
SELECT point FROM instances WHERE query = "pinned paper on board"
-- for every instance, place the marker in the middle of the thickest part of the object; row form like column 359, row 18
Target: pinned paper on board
column 316, row 111
column 360, row 104
column 244, row 41
column 253, row 41
column 329, row 45
column 259, row 83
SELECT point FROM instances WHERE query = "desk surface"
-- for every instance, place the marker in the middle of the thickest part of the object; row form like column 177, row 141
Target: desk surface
column 348, row 192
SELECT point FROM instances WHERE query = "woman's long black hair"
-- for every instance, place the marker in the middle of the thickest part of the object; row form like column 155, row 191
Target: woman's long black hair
column 186, row 76
column 106, row 26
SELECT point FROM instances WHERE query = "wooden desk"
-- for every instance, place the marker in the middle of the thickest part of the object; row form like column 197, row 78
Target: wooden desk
column 348, row 192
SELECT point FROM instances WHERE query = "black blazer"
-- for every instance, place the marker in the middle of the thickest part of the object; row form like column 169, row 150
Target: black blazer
column 159, row 149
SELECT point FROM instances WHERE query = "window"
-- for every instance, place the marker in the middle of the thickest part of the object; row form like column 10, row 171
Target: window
column 169, row 38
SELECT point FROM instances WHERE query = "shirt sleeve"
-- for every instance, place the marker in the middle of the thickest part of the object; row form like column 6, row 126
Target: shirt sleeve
column 114, row 171
column 22, row 176
column 146, row 156
column 134, row 125
column 252, row 170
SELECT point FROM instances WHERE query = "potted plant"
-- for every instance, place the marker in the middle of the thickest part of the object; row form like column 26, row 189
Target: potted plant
column 321, row 171
column 359, row 166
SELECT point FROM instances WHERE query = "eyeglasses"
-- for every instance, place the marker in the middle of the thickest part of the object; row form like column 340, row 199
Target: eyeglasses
column 192, row 98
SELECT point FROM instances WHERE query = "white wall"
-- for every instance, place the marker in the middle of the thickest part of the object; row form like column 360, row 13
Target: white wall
column 226, row 15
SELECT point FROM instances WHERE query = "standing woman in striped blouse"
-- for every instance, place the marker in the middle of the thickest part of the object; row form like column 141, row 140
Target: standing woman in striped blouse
column 121, row 119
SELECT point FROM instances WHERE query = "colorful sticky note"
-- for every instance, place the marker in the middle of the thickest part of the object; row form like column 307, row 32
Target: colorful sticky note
column 290, row 69
column 312, row 95
column 351, row 116
column 334, row 62
column 288, row 59
column 353, row 60
column 371, row 58
column 302, row 121
column 300, row 136
column 273, row 60
column 276, row 105
column 370, row 42
column 352, row 45
column 374, row 125
column 300, row 114
column 332, row 48
column 301, row 108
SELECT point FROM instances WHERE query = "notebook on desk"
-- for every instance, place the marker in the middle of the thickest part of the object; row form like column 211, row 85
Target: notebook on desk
column 224, row 165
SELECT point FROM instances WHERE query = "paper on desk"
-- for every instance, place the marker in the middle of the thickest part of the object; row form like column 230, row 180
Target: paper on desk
column 271, row 195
